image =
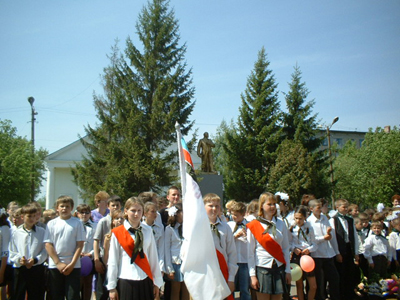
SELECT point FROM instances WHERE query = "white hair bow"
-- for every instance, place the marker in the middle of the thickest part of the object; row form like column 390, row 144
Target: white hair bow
column 172, row 211
column 283, row 196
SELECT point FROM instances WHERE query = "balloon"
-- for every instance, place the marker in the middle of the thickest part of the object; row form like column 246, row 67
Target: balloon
column 307, row 263
column 86, row 265
column 296, row 271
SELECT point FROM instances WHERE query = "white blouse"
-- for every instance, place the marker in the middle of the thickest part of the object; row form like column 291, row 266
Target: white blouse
column 172, row 249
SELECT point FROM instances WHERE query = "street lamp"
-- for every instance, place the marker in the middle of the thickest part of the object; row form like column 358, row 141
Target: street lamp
column 33, row 113
column 330, row 158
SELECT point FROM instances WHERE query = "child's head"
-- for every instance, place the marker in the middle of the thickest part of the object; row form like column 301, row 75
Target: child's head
column 306, row 198
column 148, row 197
column 267, row 205
column 353, row 210
column 64, row 206
column 13, row 205
column 364, row 219
column 358, row 223
column 342, row 206
column 48, row 214
column 29, row 213
column 100, row 199
column 173, row 195
column 150, row 212
column 396, row 200
column 324, row 206
column 17, row 217
column 284, row 205
column 114, row 203
column 212, row 203
column 39, row 210
column 376, row 227
column 134, row 211
column 83, row 212
column 378, row 217
column 175, row 214
column 162, row 202
column 300, row 215
column 117, row 218
column 252, row 208
column 229, row 204
column 396, row 224
column 238, row 211
column 315, row 206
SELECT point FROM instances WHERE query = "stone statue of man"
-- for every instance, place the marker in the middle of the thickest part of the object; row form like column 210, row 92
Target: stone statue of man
column 204, row 151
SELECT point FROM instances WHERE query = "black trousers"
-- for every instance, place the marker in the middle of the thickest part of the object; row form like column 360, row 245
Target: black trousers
column 325, row 270
column 64, row 287
column 29, row 281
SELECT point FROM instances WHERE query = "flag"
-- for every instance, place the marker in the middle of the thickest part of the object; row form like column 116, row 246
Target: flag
column 186, row 153
column 200, row 267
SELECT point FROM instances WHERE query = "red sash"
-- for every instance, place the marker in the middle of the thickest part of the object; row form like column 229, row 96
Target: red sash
column 128, row 244
column 265, row 240
column 224, row 269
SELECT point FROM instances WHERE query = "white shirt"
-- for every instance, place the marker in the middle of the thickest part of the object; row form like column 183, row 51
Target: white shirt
column 119, row 262
column 226, row 245
column 89, row 231
column 326, row 249
column 301, row 240
column 173, row 245
column 64, row 234
column 158, row 232
column 5, row 233
column 27, row 243
column 376, row 245
column 240, row 242
column 394, row 243
column 258, row 256
column 345, row 225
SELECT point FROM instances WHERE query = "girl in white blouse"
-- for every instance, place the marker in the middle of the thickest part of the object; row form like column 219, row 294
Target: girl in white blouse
column 133, row 270
column 173, row 260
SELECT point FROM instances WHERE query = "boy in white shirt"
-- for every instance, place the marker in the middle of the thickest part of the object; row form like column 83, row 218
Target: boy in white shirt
column 64, row 239
column 238, row 227
column 27, row 253
column 377, row 250
column 223, row 239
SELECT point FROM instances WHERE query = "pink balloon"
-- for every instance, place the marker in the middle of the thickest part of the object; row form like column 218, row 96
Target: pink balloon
column 307, row 263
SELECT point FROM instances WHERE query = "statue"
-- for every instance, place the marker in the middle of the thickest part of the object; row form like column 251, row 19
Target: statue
column 204, row 151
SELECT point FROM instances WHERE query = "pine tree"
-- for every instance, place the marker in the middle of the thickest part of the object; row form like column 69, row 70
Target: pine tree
column 145, row 93
column 251, row 146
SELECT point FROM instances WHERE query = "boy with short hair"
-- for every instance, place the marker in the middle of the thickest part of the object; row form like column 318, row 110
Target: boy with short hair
column 103, row 228
column 353, row 210
column 362, row 261
column 64, row 240
column 17, row 219
column 326, row 252
column 238, row 227
column 28, row 253
column 346, row 237
column 377, row 250
column 48, row 214
column 223, row 239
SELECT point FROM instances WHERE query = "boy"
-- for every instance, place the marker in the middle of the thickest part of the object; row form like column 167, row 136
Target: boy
column 28, row 253
column 238, row 227
column 64, row 240
column 17, row 219
column 346, row 237
column 39, row 215
column 324, row 255
column 103, row 228
column 83, row 212
column 353, row 210
column 362, row 261
column 223, row 239
column 48, row 214
column 377, row 250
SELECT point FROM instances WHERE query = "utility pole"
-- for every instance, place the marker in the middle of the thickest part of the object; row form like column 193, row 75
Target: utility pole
column 328, row 132
column 33, row 114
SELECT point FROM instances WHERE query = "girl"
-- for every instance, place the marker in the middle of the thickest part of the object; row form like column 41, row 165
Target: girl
column 133, row 270
column 5, row 270
column 117, row 218
column 303, row 243
column 285, row 208
column 173, row 260
column 269, row 269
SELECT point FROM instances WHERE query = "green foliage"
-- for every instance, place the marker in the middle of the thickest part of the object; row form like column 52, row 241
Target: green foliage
column 369, row 175
column 250, row 146
column 145, row 93
column 296, row 172
column 16, row 166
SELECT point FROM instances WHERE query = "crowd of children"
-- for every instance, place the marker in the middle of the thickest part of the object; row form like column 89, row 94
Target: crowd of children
column 132, row 250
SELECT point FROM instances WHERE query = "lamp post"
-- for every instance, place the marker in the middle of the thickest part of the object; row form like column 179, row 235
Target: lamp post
column 328, row 132
column 33, row 113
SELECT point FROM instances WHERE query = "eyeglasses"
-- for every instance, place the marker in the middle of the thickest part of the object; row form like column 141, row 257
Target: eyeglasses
column 120, row 218
column 85, row 213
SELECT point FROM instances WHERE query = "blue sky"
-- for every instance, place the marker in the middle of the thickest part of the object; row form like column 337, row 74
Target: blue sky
column 348, row 51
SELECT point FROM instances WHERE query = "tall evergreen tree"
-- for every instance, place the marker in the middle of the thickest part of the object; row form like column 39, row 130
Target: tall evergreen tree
column 299, row 124
column 251, row 147
column 145, row 93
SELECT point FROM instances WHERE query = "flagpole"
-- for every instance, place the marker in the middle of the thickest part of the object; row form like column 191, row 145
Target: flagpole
column 182, row 164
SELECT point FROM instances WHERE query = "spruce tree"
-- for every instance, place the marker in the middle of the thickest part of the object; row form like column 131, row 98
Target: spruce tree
column 145, row 92
column 251, row 147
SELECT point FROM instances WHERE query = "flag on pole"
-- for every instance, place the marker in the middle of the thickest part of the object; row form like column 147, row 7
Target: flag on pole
column 200, row 267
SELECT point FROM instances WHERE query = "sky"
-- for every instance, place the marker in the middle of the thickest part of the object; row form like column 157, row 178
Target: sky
column 348, row 52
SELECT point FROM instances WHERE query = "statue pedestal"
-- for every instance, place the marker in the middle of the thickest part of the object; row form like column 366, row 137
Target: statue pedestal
column 211, row 183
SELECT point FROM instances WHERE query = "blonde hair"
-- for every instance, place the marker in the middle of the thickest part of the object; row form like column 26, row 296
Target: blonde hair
column 65, row 199
column 130, row 202
column 239, row 207
column 264, row 197
column 341, row 202
column 229, row 204
column 211, row 197
column 102, row 195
